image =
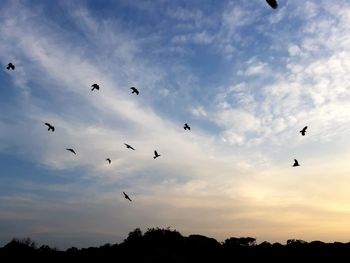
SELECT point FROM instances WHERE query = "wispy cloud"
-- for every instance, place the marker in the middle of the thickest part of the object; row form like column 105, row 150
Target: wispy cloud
column 261, row 78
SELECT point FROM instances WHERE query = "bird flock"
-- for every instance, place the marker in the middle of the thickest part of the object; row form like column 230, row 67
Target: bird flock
column 272, row 3
column 97, row 87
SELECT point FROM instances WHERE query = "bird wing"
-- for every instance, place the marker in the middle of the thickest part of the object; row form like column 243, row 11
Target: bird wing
column 134, row 90
column 71, row 150
column 48, row 124
column 272, row 3
column 155, row 153
column 126, row 196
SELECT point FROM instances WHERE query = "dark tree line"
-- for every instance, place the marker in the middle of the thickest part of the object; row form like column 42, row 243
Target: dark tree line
column 166, row 245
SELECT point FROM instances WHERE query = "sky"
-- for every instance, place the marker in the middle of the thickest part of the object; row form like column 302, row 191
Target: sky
column 245, row 77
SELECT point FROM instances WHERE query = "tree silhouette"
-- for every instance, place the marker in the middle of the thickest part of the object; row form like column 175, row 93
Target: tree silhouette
column 134, row 236
column 167, row 245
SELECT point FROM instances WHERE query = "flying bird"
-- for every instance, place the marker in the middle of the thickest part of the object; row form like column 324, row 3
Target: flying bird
column 186, row 127
column 95, row 86
column 50, row 127
column 156, row 155
column 108, row 160
column 127, row 197
column 71, row 150
column 10, row 66
column 296, row 163
column 272, row 3
column 134, row 90
column 129, row 146
column 303, row 131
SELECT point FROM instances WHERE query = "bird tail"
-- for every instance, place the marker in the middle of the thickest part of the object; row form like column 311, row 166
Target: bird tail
column 154, row 157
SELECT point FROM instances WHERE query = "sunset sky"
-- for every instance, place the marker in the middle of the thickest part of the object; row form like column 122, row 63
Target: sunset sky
column 244, row 76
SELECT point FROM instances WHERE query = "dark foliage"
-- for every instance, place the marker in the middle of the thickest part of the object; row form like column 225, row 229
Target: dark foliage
column 166, row 245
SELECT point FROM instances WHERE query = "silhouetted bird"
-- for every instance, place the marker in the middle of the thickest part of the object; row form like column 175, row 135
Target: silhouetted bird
column 95, row 86
column 50, row 127
column 127, row 197
column 71, row 150
column 129, row 147
column 134, row 90
column 272, row 3
column 303, row 131
column 186, row 127
column 296, row 163
column 156, row 155
column 10, row 66
column 108, row 160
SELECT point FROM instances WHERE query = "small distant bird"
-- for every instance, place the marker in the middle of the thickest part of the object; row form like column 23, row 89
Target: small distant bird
column 127, row 197
column 296, row 163
column 71, row 150
column 50, row 127
column 129, row 146
column 108, row 160
column 156, row 155
column 272, row 3
column 10, row 66
column 134, row 90
column 186, row 127
column 303, row 131
column 95, row 86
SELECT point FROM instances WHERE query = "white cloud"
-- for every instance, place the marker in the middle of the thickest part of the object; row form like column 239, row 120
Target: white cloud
column 196, row 38
column 185, row 14
column 199, row 111
column 164, row 92
column 238, row 119
column 257, row 68
column 235, row 17
column 261, row 118
column 294, row 50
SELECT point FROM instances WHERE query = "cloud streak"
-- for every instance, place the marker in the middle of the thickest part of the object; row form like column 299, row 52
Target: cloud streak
column 231, row 174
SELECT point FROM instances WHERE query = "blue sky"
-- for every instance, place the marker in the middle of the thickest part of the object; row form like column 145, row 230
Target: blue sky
column 245, row 77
